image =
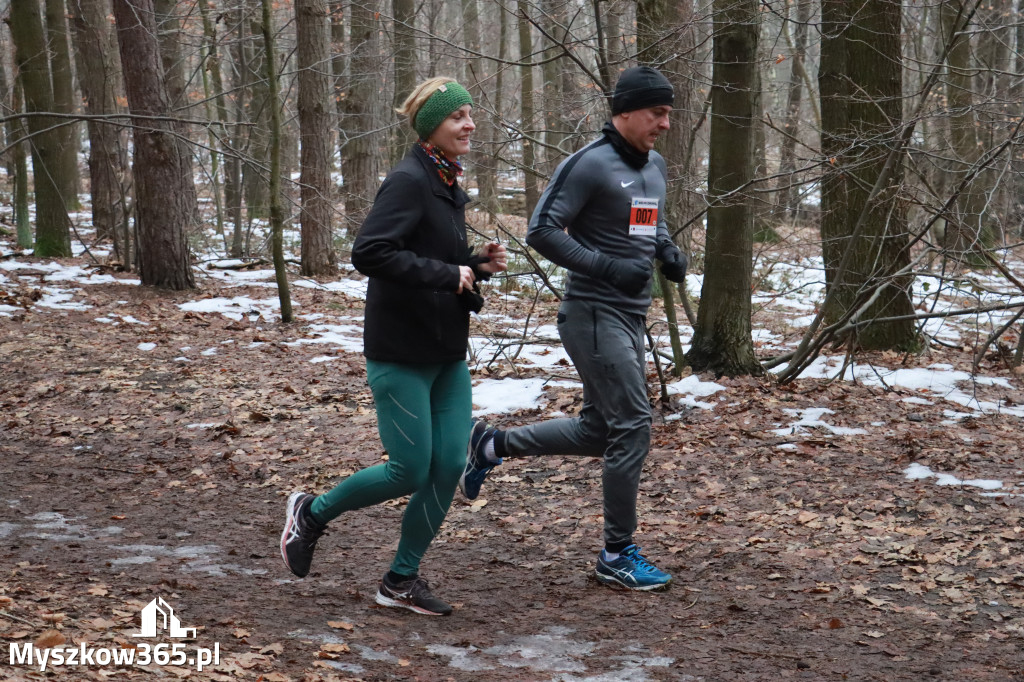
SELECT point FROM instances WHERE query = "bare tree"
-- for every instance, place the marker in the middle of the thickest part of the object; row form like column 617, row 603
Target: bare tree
column 53, row 236
column 276, row 205
column 404, row 12
column 256, row 111
column 864, row 233
column 528, row 110
column 665, row 37
column 359, row 156
column 234, row 186
column 17, row 160
column 100, row 70
column 796, row 38
column 964, row 231
column 722, row 336
column 473, row 80
column 162, row 183
column 216, row 109
column 63, row 96
column 312, row 34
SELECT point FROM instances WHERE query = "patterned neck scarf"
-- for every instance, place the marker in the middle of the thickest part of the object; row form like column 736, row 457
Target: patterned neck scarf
column 448, row 169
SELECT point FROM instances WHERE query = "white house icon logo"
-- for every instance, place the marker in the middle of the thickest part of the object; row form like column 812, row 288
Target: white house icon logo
column 168, row 621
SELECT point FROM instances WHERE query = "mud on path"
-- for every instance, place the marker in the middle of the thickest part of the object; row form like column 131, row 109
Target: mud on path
column 129, row 474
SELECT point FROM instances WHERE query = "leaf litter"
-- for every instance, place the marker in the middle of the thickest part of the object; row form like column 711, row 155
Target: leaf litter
column 827, row 528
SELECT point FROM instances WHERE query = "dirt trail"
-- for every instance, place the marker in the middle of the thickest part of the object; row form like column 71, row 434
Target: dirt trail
column 132, row 474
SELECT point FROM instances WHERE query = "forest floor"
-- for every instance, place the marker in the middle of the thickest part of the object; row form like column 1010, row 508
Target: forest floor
column 147, row 452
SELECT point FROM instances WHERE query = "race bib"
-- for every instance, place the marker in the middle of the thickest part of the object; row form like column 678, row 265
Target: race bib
column 643, row 217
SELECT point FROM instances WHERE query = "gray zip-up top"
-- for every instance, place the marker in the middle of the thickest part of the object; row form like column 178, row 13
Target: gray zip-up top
column 595, row 202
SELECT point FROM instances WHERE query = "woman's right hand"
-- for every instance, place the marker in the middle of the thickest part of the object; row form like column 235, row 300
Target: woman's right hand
column 466, row 279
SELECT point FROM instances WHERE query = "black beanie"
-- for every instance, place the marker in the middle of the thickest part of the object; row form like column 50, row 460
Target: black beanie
column 639, row 88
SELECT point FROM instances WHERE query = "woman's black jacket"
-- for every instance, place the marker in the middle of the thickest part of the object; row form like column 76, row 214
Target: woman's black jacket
column 411, row 246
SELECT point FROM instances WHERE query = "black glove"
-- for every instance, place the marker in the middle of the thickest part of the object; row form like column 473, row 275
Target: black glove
column 628, row 275
column 472, row 300
column 673, row 262
column 474, row 262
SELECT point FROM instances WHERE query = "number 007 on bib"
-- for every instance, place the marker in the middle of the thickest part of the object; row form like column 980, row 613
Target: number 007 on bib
column 643, row 217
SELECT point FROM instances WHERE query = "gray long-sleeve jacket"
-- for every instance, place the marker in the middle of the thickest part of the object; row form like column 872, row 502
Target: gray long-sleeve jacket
column 594, row 203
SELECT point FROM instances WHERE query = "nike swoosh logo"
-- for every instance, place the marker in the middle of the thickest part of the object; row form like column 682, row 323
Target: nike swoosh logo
column 626, row 184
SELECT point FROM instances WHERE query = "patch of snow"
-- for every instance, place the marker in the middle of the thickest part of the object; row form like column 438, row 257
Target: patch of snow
column 917, row 472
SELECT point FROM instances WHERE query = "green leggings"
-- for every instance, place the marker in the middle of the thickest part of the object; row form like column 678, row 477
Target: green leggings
column 424, row 414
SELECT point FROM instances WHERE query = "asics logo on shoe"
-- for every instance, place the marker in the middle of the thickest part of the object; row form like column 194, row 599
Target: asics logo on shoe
column 299, row 537
column 628, row 575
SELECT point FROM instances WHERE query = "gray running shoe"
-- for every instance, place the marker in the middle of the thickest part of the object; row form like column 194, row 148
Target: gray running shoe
column 413, row 594
column 298, row 540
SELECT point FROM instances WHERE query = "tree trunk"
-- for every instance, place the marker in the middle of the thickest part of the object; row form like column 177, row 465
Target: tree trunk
column 1016, row 189
column 63, row 97
column 53, row 238
column 860, row 86
column 312, row 32
column 100, row 71
column 359, row 156
column 216, row 111
column 964, row 233
column 528, row 110
column 556, row 128
column 601, row 30
column 665, row 37
column 234, row 190
column 722, row 339
column 476, row 161
column 255, row 183
column 404, row 12
column 16, row 161
column 169, row 32
column 162, row 182
column 616, row 32
column 489, row 125
column 336, row 9
column 276, row 207
column 995, row 80
column 787, row 194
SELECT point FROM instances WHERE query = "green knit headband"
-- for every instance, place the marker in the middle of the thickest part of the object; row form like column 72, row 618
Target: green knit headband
column 438, row 106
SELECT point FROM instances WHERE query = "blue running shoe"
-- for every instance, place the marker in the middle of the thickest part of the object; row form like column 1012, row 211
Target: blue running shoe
column 477, row 464
column 632, row 571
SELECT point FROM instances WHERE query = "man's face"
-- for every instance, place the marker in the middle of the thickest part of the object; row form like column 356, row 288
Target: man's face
column 642, row 127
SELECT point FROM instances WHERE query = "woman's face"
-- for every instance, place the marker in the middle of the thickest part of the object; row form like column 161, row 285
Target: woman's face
column 452, row 136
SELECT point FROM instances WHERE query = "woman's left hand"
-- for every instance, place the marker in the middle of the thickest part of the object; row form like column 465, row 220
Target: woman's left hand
column 498, row 258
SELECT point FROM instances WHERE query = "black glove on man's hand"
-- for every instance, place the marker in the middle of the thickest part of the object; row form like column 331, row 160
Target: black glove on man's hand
column 673, row 262
column 628, row 275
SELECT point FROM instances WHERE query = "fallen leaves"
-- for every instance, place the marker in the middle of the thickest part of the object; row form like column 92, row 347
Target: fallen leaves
column 100, row 624
column 830, row 528
column 48, row 639
column 340, row 625
column 333, row 650
column 276, row 649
